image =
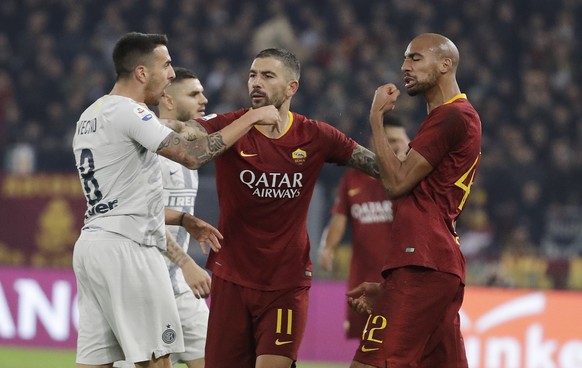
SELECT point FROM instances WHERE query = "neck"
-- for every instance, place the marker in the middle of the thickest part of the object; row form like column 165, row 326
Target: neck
column 128, row 89
column 278, row 130
column 441, row 93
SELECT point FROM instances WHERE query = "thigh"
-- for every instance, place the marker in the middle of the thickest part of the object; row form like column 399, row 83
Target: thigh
column 446, row 347
column 194, row 316
column 130, row 288
column 280, row 319
column 409, row 310
column 230, row 340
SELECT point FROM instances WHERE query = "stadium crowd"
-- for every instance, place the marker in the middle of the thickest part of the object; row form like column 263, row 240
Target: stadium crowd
column 520, row 69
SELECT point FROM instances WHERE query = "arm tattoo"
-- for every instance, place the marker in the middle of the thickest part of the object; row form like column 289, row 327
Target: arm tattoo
column 364, row 160
column 174, row 252
column 200, row 149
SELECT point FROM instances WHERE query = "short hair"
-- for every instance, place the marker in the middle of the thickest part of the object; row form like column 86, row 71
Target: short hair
column 183, row 73
column 286, row 57
column 132, row 49
column 392, row 121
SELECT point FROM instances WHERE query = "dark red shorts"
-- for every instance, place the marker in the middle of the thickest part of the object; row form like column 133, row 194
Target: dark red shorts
column 355, row 324
column 245, row 323
column 415, row 321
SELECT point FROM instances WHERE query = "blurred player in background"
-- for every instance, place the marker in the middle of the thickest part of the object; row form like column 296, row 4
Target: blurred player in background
column 361, row 202
column 414, row 313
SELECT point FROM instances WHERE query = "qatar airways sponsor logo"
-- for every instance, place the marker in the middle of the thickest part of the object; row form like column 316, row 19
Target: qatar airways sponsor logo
column 273, row 185
column 372, row 212
column 530, row 348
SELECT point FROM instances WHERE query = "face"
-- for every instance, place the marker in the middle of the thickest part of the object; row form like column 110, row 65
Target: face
column 269, row 83
column 187, row 99
column 397, row 139
column 419, row 67
column 159, row 73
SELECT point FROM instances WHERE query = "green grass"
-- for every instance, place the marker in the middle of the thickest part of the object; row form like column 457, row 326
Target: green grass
column 36, row 358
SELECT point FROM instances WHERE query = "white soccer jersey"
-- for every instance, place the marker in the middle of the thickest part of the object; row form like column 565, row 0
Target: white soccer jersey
column 180, row 188
column 114, row 146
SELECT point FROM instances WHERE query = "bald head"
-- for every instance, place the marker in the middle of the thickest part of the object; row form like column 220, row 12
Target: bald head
column 439, row 45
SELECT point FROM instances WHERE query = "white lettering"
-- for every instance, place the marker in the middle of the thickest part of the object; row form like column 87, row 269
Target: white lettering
column 7, row 328
column 33, row 303
column 538, row 352
column 571, row 354
column 247, row 177
column 500, row 347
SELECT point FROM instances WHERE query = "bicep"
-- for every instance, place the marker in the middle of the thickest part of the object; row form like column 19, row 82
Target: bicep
column 412, row 170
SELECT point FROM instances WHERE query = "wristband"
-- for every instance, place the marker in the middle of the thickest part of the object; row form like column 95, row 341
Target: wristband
column 182, row 219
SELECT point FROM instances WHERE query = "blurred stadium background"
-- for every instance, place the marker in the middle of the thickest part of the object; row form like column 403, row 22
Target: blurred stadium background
column 520, row 66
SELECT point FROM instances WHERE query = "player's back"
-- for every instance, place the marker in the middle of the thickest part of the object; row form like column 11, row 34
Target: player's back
column 121, row 178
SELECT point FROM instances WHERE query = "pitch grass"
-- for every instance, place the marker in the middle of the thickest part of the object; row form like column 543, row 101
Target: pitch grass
column 35, row 358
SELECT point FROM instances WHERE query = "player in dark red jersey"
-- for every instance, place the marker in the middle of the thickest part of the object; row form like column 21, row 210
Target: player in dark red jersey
column 414, row 313
column 262, row 274
column 361, row 202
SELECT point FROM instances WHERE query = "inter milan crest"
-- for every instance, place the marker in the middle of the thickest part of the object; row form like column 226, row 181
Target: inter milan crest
column 169, row 336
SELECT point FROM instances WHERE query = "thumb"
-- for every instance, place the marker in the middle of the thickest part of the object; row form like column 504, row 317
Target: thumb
column 357, row 291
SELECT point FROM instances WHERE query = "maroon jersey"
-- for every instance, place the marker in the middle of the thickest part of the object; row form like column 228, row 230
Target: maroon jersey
column 264, row 188
column 423, row 231
column 362, row 199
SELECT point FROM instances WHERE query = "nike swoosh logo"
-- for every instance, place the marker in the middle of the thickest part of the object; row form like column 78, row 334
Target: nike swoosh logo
column 173, row 172
column 243, row 154
column 353, row 192
column 365, row 349
column 277, row 342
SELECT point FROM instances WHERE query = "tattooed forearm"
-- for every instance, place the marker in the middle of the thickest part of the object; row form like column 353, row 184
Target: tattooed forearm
column 364, row 160
column 174, row 252
column 171, row 140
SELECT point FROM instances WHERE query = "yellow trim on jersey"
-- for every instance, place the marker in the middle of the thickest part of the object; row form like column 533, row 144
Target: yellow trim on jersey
column 456, row 97
column 286, row 129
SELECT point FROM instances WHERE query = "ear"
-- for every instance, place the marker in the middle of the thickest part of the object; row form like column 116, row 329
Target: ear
column 140, row 73
column 446, row 65
column 167, row 101
column 292, row 88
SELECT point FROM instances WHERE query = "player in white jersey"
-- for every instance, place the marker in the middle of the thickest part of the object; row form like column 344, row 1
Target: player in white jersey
column 183, row 100
column 126, row 305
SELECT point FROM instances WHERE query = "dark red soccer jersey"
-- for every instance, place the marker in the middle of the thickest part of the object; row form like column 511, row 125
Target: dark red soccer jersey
column 362, row 199
column 423, row 231
column 264, row 188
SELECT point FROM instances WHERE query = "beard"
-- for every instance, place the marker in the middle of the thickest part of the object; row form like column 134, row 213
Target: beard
column 420, row 87
column 276, row 101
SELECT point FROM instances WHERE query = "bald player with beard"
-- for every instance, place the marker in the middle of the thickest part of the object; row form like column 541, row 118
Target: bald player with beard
column 414, row 312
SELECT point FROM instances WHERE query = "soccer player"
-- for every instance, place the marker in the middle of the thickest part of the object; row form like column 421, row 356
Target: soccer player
column 126, row 305
column 361, row 202
column 414, row 313
column 183, row 100
column 262, row 274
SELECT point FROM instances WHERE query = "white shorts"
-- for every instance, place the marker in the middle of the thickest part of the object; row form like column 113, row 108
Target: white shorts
column 194, row 316
column 126, row 304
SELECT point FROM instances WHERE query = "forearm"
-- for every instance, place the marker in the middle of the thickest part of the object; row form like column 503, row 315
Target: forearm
column 388, row 162
column 173, row 217
column 364, row 160
column 335, row 232
column 174, row 252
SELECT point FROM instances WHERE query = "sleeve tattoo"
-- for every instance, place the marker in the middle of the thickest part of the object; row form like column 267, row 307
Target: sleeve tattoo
column 364, row 160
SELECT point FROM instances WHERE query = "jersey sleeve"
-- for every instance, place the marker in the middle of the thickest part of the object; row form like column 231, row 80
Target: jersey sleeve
column 440, row 134
column 340, row 146
column 140, row 124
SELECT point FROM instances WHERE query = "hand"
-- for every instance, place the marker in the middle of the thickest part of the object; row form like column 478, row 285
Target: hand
column 197, row 278
column 266, row 115
column 326, row 259
column 206, row 234
column 363, row 297
column 385, row 99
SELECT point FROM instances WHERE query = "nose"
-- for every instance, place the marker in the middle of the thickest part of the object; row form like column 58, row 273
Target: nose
column 204, row 100
column 405, row 65
column 172, row 74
